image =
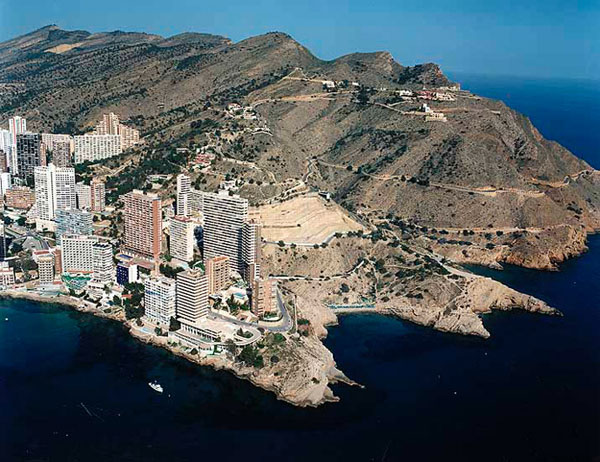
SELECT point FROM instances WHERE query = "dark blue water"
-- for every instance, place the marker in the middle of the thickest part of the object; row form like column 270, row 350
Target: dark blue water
column 531, row 392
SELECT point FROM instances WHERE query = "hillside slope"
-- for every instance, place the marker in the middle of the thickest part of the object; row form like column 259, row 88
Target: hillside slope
column 486, row 172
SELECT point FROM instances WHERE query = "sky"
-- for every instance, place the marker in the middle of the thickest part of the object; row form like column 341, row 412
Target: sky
column 534, row 38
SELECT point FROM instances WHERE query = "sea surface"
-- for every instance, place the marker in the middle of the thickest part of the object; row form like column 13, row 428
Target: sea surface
column 74, row 387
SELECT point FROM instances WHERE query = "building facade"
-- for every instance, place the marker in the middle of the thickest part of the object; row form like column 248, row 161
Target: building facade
column 19, row 197
column 127, row 272
column 181, row 242
column 54, row 190
column 78, row 253
column 184, row 186
column 84, row 196
column 16, row 126
column 111, row 125
column 7, row 275
column 224, row 217
column 98, row 196
column 103, row 266
column 29, row 155
column 143, row 224
column 5, row 182
column 217, row 273
column 73, row 221
column 192, row 295
column 159, row 300
column 90, row 148
column 45, row 264
column 264, row 293
column 251, row 250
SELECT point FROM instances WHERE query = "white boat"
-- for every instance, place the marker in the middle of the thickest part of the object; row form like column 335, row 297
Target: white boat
column 155, row 386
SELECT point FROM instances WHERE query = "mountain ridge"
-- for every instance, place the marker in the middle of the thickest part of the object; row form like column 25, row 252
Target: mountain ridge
column 488, row 163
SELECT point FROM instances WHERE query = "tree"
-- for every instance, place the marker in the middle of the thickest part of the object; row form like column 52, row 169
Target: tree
column 230, row 346
column 116, row 300
column 174, row 324
column 249, row 356
column 21, row 221
column 363, row 96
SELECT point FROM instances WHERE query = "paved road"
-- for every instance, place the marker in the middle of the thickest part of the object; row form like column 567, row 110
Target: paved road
column 285, row 327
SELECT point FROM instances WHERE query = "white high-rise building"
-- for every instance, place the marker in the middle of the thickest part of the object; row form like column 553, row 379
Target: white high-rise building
column 184, row 185
column 84, row 196
column 54, row 190
column 96, row 147
column 16, row 126
column 5, row 182
column 103, row 266
column 181, row 242
column 224, row 217
column 78, row 253
column 6, row 146
column 251, row 250
column 159, row 299
column 192, row 295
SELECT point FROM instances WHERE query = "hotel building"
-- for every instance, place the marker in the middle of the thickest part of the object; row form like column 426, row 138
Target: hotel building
column 251, row 250
column 103, row 267
column 264, row 293
column 84, row 196
column 73, row 221
column 7, row 275
column 45, row 262
column 19, row 197
column 127, row 272
column 159, row 299
column 181, row 242
column 78, row 253
column 224, row 217
column 29, row 154
column 110, row 125
column 54, row 190
column 96, row 147
column 192, row 295
column 98, row 196
column 217, row 273
column 5, row 182
column 142, row 217
column 16, row 126
column 184, row 185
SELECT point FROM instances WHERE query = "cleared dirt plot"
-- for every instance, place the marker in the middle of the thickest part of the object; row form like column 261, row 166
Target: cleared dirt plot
column 304, row 220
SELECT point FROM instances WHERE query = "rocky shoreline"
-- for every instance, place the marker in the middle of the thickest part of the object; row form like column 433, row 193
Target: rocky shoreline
column 305, row 368
column 302, row 381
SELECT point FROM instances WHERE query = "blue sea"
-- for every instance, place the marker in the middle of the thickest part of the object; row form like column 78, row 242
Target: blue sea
column 74, row 387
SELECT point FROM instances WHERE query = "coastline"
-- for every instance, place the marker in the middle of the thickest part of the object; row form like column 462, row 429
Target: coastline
column 309, row 394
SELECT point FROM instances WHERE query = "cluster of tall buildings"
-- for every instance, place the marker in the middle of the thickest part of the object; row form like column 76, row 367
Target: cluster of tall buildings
column 231, row 240
column 109, row 138
column 111, row 125
column 56, row 191
column 22, row 150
